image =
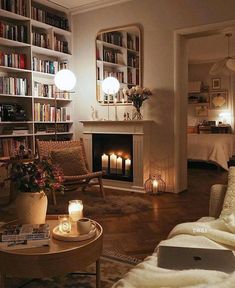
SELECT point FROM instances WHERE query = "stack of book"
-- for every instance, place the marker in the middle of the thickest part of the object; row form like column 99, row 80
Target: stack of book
column 24, row 236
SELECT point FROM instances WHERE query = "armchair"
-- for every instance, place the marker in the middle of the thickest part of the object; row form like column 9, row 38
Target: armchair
column 75, row 167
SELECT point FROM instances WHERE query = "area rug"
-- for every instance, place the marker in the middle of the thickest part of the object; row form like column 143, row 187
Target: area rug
column 113, row 267
column 114, row 203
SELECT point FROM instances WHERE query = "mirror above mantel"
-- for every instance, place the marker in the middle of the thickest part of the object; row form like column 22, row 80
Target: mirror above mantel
column 118, row 54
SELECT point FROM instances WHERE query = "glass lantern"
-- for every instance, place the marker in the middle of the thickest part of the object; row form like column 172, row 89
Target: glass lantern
column 154, row 184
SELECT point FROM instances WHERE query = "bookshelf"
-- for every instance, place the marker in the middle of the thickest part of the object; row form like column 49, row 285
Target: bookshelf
column 35, row 43
column 118, row 54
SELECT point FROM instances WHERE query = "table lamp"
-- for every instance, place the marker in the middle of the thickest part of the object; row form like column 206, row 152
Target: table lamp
column 111, row 86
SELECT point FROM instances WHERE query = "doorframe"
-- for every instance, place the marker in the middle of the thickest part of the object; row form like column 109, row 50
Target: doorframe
column 180, row 92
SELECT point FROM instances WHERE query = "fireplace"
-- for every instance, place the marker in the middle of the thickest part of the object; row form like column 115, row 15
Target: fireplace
column 113, row 154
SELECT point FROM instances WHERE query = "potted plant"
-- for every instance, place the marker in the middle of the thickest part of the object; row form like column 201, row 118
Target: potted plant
column 34, row 179
column 137, row 95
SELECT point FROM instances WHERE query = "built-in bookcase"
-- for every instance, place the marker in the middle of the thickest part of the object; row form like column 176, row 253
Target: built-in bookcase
column 118, row 54
column 35, row 43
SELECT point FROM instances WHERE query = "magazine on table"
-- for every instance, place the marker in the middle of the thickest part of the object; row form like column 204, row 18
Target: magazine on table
column 17, row 232
column 22, row 244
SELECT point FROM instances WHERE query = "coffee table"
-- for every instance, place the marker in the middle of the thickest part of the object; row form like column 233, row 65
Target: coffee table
column 60, row 258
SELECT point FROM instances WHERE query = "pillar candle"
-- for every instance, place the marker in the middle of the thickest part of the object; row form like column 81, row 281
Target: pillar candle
column 105, row 162
column 155, row 186
column 119, row 165
column 75, row 209
column 127, row 166
column 113, row 163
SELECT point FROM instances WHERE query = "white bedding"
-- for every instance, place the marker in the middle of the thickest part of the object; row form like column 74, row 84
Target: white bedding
column 217, row 148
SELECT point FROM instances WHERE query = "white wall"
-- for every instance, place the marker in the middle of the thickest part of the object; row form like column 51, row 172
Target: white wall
column 159, row 19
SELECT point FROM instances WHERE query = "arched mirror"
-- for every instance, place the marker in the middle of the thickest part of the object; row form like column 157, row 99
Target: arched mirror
column 118, row 54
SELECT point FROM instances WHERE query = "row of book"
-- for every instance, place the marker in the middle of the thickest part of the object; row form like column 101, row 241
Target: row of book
column 132, row 60
column 40, row 39
column 13, row 32
column 61, row 46
column 15, row 6
column 47, row 66
column 48, row 91
column 50, row 18
column 13, row 85
column 133, row 78
column 111, row 55
column 9, row 147
column 49, row 113
column 15, row 236
column 16, row 60
column 133, row 42
column 50, row 128
column 113, row 38
column 119, row 75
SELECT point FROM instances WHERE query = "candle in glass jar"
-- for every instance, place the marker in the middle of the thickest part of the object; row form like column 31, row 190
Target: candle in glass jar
column 155, row 186
column 64, row 224
column 105, row 162
column 119, row 165
column 113, row 163
column 75, row 209
column 127, row 166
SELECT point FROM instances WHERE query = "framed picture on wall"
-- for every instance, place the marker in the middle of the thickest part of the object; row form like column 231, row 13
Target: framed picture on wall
column 201, row 110
column 219, row 100
column 216, row 83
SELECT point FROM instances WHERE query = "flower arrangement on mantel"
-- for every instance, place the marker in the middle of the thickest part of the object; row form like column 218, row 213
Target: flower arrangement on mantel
column 137, row 95
column 38, row 175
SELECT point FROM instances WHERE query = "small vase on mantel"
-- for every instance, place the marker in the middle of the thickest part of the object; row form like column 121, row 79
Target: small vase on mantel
column 31, row 208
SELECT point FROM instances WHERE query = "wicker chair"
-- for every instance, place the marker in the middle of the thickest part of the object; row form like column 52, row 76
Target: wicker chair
column 44, row 149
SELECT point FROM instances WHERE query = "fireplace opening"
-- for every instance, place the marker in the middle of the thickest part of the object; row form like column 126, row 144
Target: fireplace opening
column 112, row 153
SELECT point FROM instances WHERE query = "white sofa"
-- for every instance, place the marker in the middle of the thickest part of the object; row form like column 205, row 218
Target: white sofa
column 147, row 274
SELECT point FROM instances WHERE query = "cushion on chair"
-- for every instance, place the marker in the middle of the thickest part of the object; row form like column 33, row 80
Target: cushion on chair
column 71, row 160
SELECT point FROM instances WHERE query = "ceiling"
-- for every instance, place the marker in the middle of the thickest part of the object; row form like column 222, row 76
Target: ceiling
column 79, row 6
column 209, row 48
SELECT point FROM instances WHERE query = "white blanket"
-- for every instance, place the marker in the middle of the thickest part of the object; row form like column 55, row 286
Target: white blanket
column 194, row 234
column 217, row 148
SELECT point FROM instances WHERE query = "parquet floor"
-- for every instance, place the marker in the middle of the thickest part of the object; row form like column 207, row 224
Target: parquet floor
column 138, row 234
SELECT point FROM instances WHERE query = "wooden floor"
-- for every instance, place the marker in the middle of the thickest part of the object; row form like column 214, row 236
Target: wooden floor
column 138, row 234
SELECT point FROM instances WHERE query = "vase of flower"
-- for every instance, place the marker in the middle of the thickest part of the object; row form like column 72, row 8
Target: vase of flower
column 31, row 208
column 33, row 180
column 137, row 96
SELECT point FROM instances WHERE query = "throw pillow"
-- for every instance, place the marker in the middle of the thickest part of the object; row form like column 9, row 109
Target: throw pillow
column 71, row 160
column 229, row 199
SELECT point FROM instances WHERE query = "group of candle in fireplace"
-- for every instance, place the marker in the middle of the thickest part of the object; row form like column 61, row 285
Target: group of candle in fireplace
column 115, row 164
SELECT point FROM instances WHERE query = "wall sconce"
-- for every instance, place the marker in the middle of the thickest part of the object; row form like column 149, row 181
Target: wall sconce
column 154, row 184
column 226, row 117
column 65, row 80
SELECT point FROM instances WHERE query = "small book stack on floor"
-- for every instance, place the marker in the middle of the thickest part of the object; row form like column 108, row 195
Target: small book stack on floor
column 24, row 236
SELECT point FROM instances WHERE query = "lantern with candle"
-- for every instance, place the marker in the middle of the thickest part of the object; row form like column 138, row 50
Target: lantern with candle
column 154, row 184
column 64, row 224
column 75, row 210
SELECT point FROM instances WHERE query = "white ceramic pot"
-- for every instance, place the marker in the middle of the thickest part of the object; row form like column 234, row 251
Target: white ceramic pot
column 31, row 208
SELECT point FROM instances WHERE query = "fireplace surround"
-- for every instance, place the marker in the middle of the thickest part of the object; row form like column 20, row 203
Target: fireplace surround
column 138, row 132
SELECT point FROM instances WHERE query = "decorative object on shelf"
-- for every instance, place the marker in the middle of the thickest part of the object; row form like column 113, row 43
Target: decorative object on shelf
column 226, row 65
column 110, row 87
column 34, row 179
column 216, row 83
column 64, row 224
column 75, row 210
column 137, row 95
column 154, row 184
column 219, row 100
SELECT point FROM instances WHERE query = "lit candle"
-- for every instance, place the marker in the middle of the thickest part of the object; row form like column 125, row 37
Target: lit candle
column 64, row 224
column 127, row 166
column 119, row 165
column 75, row 209
column 155, row 186
column 105, row 162
column 113, row 163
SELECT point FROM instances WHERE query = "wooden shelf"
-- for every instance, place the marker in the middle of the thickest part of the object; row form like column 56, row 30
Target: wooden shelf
column 15, row 136
column 51, row 99
column 15, row 122
column 13, row 16
column 13, row 43
column 47, row 26
column 16, row 96
column 43, row 74
column 50, row 52
column 52, row 133
column 13, row 69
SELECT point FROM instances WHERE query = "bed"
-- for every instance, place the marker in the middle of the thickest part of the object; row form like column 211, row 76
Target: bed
column 216, row 148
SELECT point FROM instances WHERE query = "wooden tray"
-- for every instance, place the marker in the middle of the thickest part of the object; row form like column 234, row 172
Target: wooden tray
column 73, row 235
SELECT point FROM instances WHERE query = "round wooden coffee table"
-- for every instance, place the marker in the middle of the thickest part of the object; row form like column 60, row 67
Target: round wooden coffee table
column 60, row 258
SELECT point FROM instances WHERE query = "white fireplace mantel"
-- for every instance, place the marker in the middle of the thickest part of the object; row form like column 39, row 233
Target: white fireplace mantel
column 141, row 131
